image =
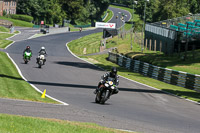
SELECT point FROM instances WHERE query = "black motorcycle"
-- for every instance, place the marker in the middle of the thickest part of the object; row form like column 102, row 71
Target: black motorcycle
column 105, row 91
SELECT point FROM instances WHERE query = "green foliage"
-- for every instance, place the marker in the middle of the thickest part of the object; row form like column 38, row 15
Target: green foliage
column 3, row 29
column 12, row 84
column 86, row 45
column 4, row 13
column 124, row 46
column 157, row 10
column 18, row 22
column 21, row 124
column 55, row 11
column 3, row 41
column 41, row 10
column 22, row 17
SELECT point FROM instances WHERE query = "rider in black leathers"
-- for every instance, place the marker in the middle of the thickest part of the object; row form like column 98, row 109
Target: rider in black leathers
column 104, row 78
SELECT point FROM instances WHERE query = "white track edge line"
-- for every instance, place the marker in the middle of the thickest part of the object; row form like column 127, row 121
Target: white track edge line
column 11, row 40
column 131, row 79
column 19, row 71
column 91, row 64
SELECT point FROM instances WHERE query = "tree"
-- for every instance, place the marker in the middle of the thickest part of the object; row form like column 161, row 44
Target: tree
column 72, row 8
column 48, row 10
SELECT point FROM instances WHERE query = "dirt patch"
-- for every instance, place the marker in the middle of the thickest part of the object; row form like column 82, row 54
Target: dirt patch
column 92, row 60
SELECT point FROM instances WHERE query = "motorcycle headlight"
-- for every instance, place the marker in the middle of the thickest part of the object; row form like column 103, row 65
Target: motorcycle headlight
column 112, row 87
column 110, row 83
column 106, row 85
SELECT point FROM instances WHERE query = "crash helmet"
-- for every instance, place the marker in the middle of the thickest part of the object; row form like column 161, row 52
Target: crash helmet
column 43, row 48
column 28, row 47
column 113, row 72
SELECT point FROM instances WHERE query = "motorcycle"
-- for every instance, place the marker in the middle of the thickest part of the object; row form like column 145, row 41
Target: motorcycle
column 40, row 60
column 80, row 29
column 105, row 91
column 27, row 57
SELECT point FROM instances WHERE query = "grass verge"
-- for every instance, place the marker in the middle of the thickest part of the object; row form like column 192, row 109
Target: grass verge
column 137, row 21
column 3, row 29
column 20, row 124
column 100, row 60
column 191, row 65
column 110, row 15
column 87, row 45
column 3, row 41
column 13, row 86
column 76, row 47
column 18, row 22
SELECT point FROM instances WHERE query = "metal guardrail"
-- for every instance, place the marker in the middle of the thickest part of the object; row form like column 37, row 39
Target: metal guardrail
column 83, row 26
column 182, row 79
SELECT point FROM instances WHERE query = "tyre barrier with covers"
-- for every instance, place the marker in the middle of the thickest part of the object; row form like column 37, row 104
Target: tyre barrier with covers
column 179, row 78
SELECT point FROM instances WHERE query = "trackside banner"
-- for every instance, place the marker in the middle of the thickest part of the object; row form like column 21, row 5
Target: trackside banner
column 105, row 25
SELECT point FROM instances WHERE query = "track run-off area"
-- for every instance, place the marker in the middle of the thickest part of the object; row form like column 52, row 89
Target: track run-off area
column 71, row 80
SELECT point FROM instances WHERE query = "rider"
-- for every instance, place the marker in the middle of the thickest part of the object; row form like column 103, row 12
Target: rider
column 42, row 52
column 80, row 29
column 28, row 49
column 104, row 78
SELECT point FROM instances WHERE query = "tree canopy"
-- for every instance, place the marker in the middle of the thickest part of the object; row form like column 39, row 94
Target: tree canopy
column 157, row 10
column 54, row 11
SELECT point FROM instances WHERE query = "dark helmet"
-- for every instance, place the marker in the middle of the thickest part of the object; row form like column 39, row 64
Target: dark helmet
column 113, row 72
column 27, row 47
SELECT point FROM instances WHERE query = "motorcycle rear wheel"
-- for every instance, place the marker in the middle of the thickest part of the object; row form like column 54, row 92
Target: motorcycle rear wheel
column 40, row 64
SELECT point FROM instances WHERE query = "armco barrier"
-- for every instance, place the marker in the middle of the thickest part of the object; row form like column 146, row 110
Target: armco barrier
column 182, row 79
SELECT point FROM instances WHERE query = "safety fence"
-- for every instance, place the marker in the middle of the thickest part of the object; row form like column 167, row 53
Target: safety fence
column 162, row 31
column 182, row 79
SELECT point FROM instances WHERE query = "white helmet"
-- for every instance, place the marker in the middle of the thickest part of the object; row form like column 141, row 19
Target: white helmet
column 43, row 48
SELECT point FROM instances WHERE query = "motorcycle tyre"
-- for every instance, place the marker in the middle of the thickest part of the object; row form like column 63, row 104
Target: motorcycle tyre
column 25, row 61
column 103, row 97
column 96, row 99
column 40, row 64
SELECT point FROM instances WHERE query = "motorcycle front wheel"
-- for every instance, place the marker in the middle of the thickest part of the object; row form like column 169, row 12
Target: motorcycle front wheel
column 104, row 96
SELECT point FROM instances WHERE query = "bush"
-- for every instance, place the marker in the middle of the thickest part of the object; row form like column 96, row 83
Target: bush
column 22, row 17
column 4, row 13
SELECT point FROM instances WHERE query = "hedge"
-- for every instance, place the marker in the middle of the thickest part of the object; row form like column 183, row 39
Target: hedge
column 22, row 17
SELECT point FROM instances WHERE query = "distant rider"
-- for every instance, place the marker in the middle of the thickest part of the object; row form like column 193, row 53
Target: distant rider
column 42, row 52
column 111, row 74
column 28, row 50
column 80, row 29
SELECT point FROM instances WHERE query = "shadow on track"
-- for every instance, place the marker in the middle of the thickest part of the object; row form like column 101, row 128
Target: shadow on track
column 93, row 87
column 11, row 77
column 78, row 64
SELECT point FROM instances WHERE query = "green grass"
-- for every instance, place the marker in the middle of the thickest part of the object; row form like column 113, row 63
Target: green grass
column 86, row 45
column 3, row 29
column 3, row 41
column 13, row 86
column 134, row 18
column 18, row 22
column 20, row 124
column 100, row 60
column 91, row 44
column 191, row 65
column 109, row 16
column 123, row 47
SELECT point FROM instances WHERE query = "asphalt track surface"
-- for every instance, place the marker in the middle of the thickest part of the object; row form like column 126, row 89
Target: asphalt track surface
column 137, row 107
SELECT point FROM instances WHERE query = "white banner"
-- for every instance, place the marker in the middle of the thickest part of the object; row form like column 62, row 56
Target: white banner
column 105, row 25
